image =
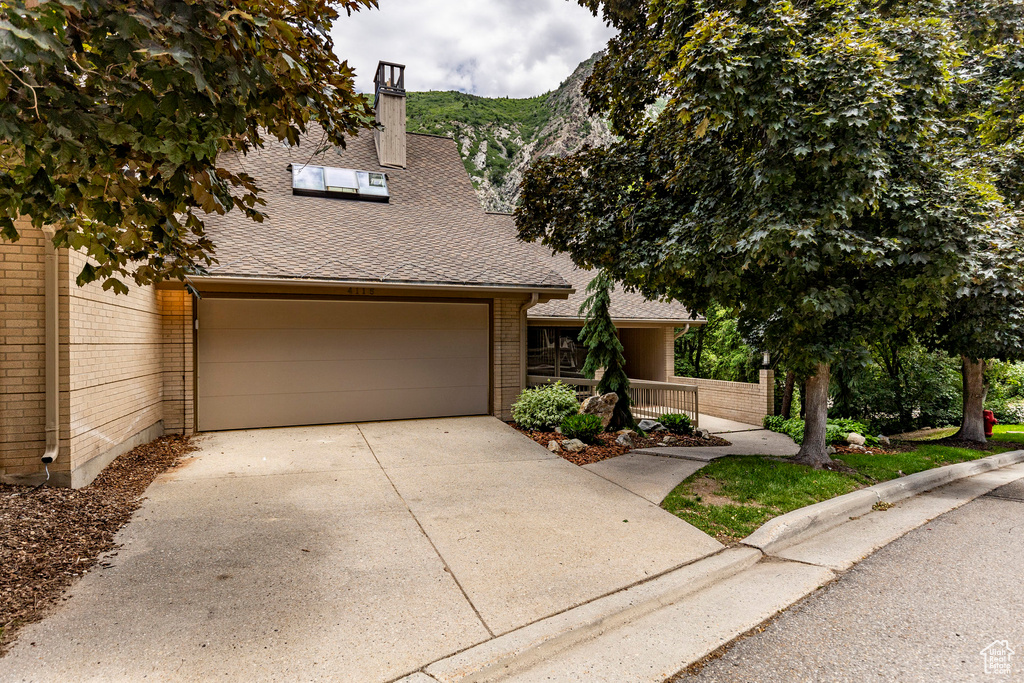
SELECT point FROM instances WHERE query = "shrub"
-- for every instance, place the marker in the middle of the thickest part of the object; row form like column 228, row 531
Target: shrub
column 544, row 407
column 1009, row 413
column 582, row 427
column 677, row 423
column 836, row 431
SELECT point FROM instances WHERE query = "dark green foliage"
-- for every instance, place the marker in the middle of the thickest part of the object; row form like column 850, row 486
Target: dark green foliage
column 677, row 423
column 582, row 427
column 114, row 115
column 836, row 431
column 807, row 170
column 545, row 407
column 899, row 387
column 1006, row 391
column 604, row 350
column 717, row 350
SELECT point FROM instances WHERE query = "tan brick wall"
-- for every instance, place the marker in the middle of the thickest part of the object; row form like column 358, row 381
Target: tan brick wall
column 115, row 365
column 740, row 401
column 125, row 366
column 22, row 419
column 178, row 358
column 508, row 377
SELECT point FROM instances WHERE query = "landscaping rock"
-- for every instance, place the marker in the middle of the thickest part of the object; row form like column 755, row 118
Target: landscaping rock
column 625, row 439
column 831, row 450
column 855, row 439
column 884, row 440
column 669, row 440
column 858, row 448
column 702, row 433
column 651, row 426
column 573, row 445
column 554, row 447
column 602, row 406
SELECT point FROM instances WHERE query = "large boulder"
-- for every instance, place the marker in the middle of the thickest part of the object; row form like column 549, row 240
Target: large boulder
column 603, row 406
column 651, row 426
column 855, row 439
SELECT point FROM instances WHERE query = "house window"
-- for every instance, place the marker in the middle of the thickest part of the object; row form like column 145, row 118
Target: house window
column 555, row 352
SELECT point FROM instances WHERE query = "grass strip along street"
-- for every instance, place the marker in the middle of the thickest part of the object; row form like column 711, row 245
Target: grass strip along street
column 731, row 497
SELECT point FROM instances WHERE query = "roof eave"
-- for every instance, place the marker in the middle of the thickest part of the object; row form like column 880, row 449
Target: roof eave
column 227, row 282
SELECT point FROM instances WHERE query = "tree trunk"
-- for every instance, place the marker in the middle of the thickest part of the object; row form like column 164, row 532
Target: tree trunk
column 972, row 428
column 787, row 395
column 814, row 449
column 803, row 400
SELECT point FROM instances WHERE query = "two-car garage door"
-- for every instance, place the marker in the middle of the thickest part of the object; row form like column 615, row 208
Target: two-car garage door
column 276, row 362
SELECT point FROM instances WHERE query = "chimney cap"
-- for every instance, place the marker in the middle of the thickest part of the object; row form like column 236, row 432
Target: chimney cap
column 390, row 79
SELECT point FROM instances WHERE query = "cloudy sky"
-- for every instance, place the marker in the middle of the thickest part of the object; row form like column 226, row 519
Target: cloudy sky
column 514, row 48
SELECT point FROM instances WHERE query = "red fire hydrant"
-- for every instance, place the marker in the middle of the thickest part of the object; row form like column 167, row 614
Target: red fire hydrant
column 990, row 419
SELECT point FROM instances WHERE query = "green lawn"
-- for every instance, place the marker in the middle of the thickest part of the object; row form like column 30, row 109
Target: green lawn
column 1013, row 433
column 731, row 497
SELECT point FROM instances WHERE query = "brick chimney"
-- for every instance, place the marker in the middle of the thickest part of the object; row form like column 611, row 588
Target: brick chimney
column 390, row 106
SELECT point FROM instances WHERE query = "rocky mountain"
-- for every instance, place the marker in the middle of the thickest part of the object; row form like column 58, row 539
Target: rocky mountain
column 499, row 137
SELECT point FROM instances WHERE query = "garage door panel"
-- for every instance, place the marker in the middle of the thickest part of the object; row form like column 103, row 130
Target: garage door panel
column 265, row 363
column 224, row 412
column 288, row 314
column 256, row 345
column 290, row 377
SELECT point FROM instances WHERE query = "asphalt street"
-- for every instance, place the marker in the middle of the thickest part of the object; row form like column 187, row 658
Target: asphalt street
column 924, row 608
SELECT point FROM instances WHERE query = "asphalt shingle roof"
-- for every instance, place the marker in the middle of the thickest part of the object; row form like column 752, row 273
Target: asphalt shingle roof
column 433, row 231
column 625, row 305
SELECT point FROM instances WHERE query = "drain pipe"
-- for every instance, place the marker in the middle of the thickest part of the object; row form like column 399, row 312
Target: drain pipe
column 534, row 298
column 51, row 314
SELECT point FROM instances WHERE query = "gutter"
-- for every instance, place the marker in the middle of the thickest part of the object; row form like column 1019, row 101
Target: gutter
column 227, row 282
column 523, row 331
column 51, row 313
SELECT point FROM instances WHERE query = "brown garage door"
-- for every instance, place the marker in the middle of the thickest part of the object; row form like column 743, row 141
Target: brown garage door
column 268, row 363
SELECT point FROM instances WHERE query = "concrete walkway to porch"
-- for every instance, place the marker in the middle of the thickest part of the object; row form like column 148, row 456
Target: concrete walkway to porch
column 349, row 553
column 653, row 472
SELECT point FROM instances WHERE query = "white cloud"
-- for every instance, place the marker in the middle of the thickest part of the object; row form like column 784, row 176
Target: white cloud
column 495, row 48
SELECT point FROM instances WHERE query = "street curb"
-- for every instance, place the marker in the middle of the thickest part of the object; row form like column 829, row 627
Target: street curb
column 806, row 522
column 524, row 647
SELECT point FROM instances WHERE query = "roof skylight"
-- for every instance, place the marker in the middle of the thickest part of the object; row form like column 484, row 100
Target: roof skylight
column 347, row 183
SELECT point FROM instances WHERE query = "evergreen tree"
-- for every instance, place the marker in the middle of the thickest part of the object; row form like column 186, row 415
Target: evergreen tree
column 604, row 350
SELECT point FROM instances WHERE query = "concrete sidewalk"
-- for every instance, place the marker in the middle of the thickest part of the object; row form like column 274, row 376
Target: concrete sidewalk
column 653, row 630
column 353, row 552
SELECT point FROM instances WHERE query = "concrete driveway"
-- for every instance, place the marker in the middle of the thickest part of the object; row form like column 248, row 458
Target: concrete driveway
column 349, row 552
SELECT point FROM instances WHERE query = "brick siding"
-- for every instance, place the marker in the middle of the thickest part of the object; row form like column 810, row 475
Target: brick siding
column 508, row 377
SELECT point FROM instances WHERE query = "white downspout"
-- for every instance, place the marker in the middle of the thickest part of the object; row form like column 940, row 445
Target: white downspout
column 51, row 313
column 534, row 298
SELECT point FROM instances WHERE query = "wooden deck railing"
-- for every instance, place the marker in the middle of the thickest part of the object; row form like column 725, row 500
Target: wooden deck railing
column 649, row 400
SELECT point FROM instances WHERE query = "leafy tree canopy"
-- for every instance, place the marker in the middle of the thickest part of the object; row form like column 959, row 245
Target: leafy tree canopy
column 113, row 116
column 806, row 170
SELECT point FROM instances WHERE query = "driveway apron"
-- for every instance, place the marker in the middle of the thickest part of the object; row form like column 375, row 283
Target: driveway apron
column 348, row 552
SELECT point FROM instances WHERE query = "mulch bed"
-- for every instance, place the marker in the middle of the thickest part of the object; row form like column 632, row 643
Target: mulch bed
column 607, row 448
column 50, row 536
